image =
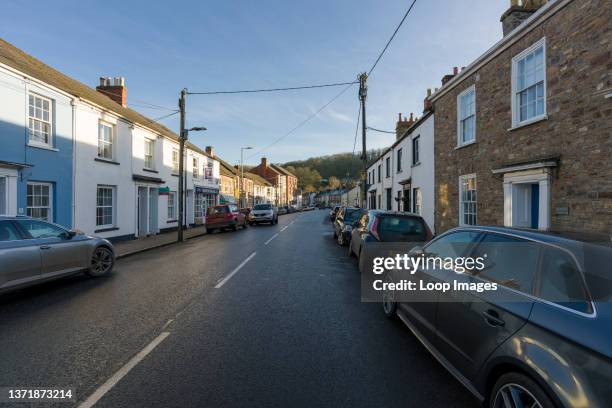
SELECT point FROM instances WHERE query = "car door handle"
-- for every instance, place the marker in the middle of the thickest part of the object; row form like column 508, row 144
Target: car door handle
column 492, row 318
column 45, row 247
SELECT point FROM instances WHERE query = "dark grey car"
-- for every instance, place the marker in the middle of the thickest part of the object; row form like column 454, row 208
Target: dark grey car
column 32, row 251
column 542, row 340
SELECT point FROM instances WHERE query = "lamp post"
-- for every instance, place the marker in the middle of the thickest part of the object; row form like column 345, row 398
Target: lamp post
column 242, row 149
column 183, row 136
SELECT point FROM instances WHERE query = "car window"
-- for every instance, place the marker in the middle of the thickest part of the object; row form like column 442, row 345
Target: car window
column 233, row 208
column 561, row 282
column 351, row 216
column 8, row 232
column 508, row 261
column 41, row 229
column 263, row 207
column 218, row 210
column 400, row 229
column 452, row 245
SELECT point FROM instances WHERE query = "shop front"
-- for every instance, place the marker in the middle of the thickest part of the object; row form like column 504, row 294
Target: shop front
column 204, row 197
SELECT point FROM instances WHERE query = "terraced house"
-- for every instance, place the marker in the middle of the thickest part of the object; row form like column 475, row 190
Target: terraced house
column 284, row 182
column 523, row 135
column 82, row 158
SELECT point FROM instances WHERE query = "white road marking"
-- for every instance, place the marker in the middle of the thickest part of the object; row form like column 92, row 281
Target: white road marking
column 232, row 273
column 273, row 236
column 122, row 372
column 284, row 228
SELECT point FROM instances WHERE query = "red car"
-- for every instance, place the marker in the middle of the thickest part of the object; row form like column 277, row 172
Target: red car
column 224, row 216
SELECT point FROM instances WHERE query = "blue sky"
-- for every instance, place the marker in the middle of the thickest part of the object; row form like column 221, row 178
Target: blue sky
column 161, row 47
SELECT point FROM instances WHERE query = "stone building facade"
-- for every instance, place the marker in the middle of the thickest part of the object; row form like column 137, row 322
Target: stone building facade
column 523, row 135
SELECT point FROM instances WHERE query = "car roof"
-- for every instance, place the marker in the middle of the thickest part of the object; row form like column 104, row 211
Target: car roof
column 563, row 238
column 391, row 212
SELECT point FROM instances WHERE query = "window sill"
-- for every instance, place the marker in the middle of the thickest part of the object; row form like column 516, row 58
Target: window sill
column 415, row 165
column 171, row 221
column 528, row 122
column 44, row 147
column 473, row 142
column 150, row 170
column 174, row 174
column 106, row 229
column 101, row 160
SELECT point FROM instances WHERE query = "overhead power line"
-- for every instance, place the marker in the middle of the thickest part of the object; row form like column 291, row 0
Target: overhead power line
column 378, row 130
column 357, row 128
column 391, row 39
column 293, row 88
column 302, row 123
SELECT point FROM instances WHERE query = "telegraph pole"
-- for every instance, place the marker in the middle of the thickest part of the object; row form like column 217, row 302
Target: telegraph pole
column 363, row 92
column 181, row 187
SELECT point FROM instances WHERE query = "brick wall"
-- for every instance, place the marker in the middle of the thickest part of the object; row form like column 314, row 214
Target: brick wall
column 578, row 128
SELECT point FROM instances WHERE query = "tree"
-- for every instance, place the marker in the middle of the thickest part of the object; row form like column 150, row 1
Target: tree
column 333, row 182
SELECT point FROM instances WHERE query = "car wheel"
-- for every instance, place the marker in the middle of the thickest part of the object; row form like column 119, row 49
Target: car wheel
column 361, row 261
column 340, row 239
column 388, row 301
column 101, row 262
column 235, row 227
column 518, row 390
column 209, row 230
column 351, row 254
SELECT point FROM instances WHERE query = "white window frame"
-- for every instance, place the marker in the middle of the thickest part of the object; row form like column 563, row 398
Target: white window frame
column 195, row 168
column 462, row 180
column 416, row 153
column 151, row 165
column 460, row 119
column 418, row 200
column 113, row 205
column 50, row 200
column 49, row 122
column 4, row 199
column 175, row 163
column 172, row 216
column 515, row 96
column 112, row 141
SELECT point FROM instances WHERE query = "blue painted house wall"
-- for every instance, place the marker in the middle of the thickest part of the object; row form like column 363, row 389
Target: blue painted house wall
column 35, row 164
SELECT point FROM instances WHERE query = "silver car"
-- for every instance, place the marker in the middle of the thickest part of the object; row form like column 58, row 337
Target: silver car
column 32, row 251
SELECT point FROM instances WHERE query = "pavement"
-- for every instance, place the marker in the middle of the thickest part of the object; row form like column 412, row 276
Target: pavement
column 135, row 246
column 269, row 316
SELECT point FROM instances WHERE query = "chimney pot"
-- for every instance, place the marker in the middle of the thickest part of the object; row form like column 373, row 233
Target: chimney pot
column 455, row 70
column 518, row 12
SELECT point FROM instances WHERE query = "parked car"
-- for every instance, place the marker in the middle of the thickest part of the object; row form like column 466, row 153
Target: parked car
column 380, row 233
column 33, row 251
column 346, row 219
column 224, row 216
column 542, row 339
column 282, row 210
column 264, row 213
column 333, row 212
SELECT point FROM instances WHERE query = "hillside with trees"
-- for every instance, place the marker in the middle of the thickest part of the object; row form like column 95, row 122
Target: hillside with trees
column 332, row 171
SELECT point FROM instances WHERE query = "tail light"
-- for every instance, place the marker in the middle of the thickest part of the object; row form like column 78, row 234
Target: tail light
column 374, row 229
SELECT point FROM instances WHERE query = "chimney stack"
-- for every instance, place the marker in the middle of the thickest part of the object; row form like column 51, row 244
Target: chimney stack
column 448, row 77
column 210, row 151
column 427, row 106
column 264, row 162
column 113, row 88
column 403, row 125
column 518, row 12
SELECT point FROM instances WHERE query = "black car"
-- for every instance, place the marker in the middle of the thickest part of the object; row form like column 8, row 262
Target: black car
column 380, row 232
column 346, row 219
column 542, row 339
column 333, row 212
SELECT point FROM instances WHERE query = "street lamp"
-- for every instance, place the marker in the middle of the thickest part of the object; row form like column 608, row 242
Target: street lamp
column 242, row 149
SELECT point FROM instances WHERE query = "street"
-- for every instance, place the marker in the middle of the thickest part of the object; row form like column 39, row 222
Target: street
column 286, row 329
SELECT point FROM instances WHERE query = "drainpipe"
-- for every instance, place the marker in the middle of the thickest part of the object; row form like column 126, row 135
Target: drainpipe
column 74, row 162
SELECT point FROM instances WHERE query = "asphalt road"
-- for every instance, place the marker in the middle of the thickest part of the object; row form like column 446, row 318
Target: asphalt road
column 181, row 326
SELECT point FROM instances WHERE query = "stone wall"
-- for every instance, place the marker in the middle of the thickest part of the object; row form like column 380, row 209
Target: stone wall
column 578, row 128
